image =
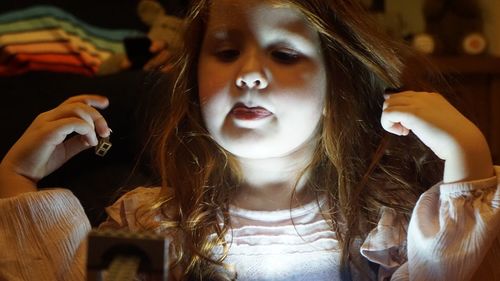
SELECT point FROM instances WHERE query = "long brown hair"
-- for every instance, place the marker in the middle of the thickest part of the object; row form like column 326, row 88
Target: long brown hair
column 358, row 166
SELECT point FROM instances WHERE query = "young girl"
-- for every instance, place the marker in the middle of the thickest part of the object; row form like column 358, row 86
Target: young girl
column 285, row 154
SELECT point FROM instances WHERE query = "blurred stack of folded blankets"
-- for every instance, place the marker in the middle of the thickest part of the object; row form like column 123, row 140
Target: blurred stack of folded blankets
column 46, row 38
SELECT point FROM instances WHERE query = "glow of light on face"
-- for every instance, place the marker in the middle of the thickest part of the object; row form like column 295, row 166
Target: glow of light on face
column 295, row 94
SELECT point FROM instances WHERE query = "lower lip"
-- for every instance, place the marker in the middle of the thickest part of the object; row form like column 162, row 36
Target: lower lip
column 250, row 113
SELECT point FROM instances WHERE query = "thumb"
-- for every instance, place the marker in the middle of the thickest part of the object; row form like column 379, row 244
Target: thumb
column 75, row 145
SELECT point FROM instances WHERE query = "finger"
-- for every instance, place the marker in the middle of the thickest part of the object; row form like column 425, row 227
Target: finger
column 92, row 116
column 393, row 127
column 56, row 132
column 101, row 127
column 397, row 120
column 75, row 145
column 97, row 101
column 404, row 95
column 403, row 100
column 391, row 94
column 69, row 148
column 397, row 129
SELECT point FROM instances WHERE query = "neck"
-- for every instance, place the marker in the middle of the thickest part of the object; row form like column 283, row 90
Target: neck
column 275, row 183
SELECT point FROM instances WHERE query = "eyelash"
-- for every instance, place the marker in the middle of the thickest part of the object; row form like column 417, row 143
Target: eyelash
column 227, row 55
column 286, row 56
column 283, row 56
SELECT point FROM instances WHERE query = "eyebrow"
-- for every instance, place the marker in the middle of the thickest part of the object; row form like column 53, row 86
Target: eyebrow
column 223, row 32
column 293, row 37
column 219, row 35
column 280, row 34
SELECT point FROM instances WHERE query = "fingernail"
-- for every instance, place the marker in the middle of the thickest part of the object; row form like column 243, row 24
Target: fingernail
column 106, row 133
column 95, row 141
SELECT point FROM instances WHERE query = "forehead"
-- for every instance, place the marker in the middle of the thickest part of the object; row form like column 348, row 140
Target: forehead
column 255, row 13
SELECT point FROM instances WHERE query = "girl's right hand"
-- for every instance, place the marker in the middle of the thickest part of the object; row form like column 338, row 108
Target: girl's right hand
column 44, row 146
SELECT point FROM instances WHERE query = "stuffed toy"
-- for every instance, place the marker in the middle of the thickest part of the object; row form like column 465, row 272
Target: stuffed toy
column 160, row 45
column 162, row 27
column 453, row 27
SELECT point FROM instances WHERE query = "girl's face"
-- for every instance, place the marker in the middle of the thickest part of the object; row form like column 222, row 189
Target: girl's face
column 261, row 78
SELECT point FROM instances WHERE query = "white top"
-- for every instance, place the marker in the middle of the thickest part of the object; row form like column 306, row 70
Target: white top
column 450, row 237
column 290, row 245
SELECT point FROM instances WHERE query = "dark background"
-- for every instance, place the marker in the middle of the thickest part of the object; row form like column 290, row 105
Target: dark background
column 105, row 13
column 95, row 180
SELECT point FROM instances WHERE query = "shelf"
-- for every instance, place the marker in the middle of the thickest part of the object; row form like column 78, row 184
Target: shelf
column 477, row 83
column 467, row 64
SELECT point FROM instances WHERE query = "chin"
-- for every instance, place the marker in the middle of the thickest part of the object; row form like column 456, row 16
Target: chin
column 250, row 152
column 255, row 150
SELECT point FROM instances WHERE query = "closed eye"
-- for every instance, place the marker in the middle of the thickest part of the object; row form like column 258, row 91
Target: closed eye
column 227, row 55
column 286, row 56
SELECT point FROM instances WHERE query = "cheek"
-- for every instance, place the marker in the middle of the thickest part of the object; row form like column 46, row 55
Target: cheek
column 305, row 89
column 308, row 77
column 304, row 104
column 213, row 80
column 317, row 83
column 212, row 104
column 214, row 99
column 206, row 87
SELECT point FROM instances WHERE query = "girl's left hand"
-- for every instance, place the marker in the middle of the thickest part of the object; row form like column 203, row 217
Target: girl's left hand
column 442, row 128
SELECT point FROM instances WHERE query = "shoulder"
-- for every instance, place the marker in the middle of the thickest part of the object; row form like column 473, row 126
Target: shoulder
column 137, row 209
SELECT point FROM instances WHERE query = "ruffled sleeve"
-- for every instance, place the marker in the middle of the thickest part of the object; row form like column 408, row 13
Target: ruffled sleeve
column 43, row 234
column 386, row 244
column 453, row 234
column 452, row 229
column 132, row 211
column 42, row 237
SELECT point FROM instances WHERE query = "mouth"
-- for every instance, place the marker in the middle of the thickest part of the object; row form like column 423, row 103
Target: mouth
column 243, row 112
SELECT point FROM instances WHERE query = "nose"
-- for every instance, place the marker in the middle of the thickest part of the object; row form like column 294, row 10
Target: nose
column 254, row 80
column 252, row 75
